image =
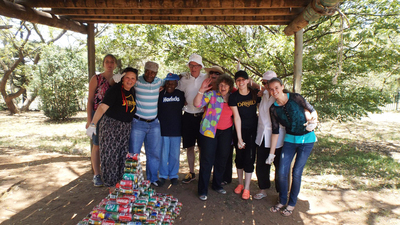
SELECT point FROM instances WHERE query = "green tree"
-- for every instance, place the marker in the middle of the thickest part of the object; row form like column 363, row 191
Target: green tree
column 18, row 59
column 62, row 81
column 339, row 89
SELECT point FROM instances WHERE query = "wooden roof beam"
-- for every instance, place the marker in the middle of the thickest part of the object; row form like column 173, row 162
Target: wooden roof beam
column 197, row 20
column 151, row 4
column 21, row 12
column 174, row 12
column 312, row 12
column 184, row 18
column 194, row 23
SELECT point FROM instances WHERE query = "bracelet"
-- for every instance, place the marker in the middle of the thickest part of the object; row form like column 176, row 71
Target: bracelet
column 200, row 92
column 92, row 124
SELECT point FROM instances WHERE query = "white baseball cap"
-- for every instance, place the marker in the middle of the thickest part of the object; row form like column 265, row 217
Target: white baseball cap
column 269, row 75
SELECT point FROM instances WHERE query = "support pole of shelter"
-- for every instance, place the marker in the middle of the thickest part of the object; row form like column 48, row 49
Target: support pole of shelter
column 91, row 50
column 91, row 62
column 298, row 61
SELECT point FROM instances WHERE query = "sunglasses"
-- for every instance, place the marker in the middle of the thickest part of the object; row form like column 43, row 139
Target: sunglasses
column 264, row 82
column 213, row 72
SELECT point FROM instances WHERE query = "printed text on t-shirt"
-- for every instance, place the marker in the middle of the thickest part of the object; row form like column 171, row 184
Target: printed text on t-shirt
column 171, row 99
column 247, row 103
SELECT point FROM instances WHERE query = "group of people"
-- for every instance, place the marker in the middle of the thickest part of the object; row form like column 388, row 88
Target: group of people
column 126, row 111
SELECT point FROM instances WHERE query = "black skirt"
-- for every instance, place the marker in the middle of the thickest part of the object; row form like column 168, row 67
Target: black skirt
column 114, row 145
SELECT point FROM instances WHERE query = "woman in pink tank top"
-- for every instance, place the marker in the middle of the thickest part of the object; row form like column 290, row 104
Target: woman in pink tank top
column 98, row 86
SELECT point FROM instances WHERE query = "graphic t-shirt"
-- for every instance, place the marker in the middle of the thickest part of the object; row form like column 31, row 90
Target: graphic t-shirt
column 170, row 112
column 247, row 107
column 122, row 105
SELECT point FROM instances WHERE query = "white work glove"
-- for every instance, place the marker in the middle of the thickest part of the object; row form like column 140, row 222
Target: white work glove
column 270, row 159
column 90, row 131
column 311, row 125
column 117, row 78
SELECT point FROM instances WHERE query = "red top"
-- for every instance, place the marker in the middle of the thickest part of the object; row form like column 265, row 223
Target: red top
column 225, row 120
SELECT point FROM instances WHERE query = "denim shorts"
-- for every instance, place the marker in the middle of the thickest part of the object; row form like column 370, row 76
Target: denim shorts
column 95, row 137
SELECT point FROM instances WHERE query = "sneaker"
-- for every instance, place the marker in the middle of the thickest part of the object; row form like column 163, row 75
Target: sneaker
column 189, row 178
column 221, row 191
column 203, row 197
column 160, row 182
column 174, row 181
column 97, row 182
column 154, row 183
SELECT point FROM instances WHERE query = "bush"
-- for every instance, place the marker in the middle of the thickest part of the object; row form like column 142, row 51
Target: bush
column 62, row 82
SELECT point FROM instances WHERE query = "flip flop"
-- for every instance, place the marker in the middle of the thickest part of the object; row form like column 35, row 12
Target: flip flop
column 286, row 212
column 259, row 196
column 276, row 208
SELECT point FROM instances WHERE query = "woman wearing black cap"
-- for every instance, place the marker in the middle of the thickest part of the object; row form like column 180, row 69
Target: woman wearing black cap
column 244, row 107
column 118, row 107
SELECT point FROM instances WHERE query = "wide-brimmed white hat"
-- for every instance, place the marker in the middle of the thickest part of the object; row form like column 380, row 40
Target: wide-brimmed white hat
column 196, row 58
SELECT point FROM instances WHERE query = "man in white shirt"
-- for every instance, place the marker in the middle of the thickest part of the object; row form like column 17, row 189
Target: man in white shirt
column 191, row 118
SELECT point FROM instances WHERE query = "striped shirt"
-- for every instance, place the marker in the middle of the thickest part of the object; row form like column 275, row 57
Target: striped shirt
column 147, row 97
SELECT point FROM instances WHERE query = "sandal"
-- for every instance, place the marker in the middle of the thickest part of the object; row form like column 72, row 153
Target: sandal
column 239, row 189
column 259, row 196
column 246, row 194
column 276, row 208
column 286, row 212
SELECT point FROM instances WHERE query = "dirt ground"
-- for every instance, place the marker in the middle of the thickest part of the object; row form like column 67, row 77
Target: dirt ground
column 42, row 187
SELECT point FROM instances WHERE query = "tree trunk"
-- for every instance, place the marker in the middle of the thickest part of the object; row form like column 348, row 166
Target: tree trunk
column 29, row 101
column 11, row 105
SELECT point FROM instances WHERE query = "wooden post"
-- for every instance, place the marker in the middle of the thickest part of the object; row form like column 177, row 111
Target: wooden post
column 91, row 50
column 91, row 62
column 298, row 61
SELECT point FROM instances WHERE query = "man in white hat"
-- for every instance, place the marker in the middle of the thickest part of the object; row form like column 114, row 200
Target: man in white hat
column 145, row 125
column 192, row 116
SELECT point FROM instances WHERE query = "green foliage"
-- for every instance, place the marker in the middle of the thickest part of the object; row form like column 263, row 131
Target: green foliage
column 62, row 82
column 370, row 68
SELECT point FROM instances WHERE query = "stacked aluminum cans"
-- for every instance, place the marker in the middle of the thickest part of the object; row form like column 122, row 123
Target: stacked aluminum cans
column 134, row 202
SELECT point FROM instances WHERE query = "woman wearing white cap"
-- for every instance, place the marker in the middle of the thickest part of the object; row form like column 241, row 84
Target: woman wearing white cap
column 263, row 140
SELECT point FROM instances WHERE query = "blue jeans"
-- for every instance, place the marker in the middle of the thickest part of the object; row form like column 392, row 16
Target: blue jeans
column 302, row 152
column 169, row 165
column 150, row 135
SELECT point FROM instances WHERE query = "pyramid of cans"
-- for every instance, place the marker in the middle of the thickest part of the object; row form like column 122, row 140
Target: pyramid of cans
column 134, row 202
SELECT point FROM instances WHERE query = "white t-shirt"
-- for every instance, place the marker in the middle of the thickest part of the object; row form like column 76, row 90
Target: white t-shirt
column 190, row 86
column 264, row 128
